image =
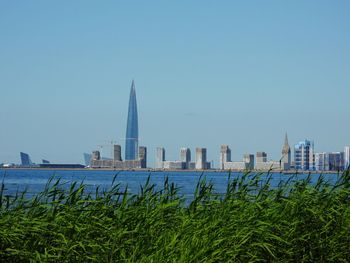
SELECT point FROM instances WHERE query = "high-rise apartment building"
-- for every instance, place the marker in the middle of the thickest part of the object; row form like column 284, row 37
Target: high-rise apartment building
column 346, row 157
column 304, row 158
column 160, row 157
column 132, row 130
column 143, row 156
column 321, row 161
column 248, row 159
column 201, row 158
column 225, row 155
column 286, row 159
column 117, row 153
column 185, row 156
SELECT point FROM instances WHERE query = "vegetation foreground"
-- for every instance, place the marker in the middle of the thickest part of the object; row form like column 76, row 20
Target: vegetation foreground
column 296, row 222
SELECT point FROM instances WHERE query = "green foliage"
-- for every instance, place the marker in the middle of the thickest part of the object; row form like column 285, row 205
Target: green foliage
column 252, row 222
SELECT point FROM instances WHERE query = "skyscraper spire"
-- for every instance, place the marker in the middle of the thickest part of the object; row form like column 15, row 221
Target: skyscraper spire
column 286, row 140
column 286, row 159
column 286, row 148
column 132, row 130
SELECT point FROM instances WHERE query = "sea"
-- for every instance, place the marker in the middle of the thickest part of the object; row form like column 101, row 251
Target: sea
column 33, row 181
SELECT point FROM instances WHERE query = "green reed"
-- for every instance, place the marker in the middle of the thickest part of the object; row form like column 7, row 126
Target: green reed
column 252, row 222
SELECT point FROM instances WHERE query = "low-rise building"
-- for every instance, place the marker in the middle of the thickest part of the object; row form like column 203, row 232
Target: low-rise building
column 269, row 165
column 174, row 165
column 116, row 163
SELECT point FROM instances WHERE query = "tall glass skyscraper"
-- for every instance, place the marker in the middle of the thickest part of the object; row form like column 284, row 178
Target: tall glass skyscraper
column 132, row 129
column 25, row 159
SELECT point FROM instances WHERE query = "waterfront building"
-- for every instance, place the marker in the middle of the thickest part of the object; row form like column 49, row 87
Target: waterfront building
column 261, row 157
column 96, row 155
column 132, row 131
column 45, row 161
column 225, row 156
column 286, row 159
column 87, row 158
column 264, row 165
column 238, row 166
column 346, row 157
column 143, row 156
column 227, row 164
column 268, row 165
column 321, row 161
column 336, row 161
column 248, row 159
column 117, row 152
column 201, row 159
column 304, row 158
column 25, row 159
column 174, row 165
column 141, row 162
column 61, row 166
column 333, row 161
column 160, row 157
column 185, row 156
column 191, row 166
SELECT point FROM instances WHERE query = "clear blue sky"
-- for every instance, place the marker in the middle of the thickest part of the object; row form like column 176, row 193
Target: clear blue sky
column 207, row 73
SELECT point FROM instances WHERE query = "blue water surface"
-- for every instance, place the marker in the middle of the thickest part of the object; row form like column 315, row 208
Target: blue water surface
column 34, row 181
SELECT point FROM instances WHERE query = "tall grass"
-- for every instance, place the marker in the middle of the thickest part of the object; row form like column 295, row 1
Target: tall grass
column 298, row 221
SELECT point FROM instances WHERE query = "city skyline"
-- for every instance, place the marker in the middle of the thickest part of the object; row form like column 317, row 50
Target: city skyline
column 207, row 74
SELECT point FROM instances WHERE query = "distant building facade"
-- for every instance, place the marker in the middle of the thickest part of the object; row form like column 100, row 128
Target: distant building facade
column 226, row 163
column 261, row 157
column 143, row 156
column 333, row 161
column 237, row 166
column 183, row 163
column 264, row 165
column 141, row 162
column 96, row 156
column 201, row 159
column 346, row 157
column 321, row 161
column 174, row 165
column 185, row 156
column 25, row 159
column 117, row 152
column 160, row 157
column 87, row 158
column 225, row 156
column 304, row 158
column 248, row 159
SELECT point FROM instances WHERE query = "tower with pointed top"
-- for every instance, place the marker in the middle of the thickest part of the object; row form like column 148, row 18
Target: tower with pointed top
column 132, row 129
column 286, row 155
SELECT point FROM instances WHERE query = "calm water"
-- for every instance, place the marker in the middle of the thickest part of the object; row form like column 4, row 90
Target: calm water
column 34, row 181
